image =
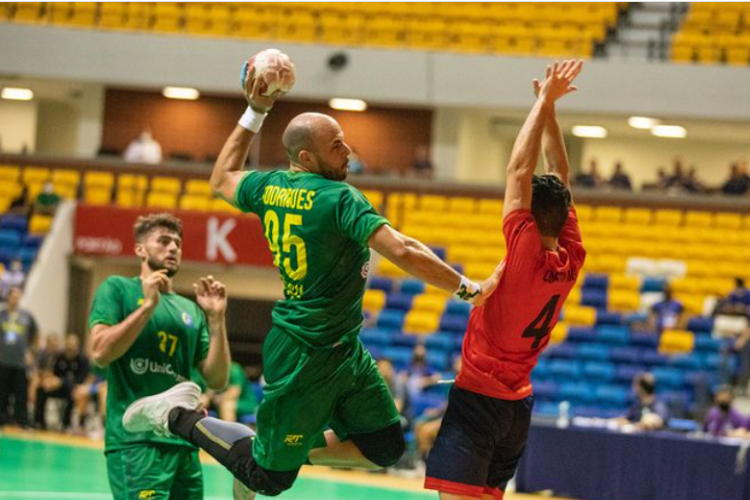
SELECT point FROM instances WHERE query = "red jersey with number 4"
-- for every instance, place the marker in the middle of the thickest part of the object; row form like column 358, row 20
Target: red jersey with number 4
column 506, row 335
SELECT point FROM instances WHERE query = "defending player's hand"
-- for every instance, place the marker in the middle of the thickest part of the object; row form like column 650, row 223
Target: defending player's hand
column 156, row 282
column 252, row 87
column 489, row 285
column 558, row 80
column 211, row 296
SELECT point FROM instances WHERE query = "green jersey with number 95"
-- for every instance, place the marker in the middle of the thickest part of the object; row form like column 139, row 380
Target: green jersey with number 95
column 318, row 232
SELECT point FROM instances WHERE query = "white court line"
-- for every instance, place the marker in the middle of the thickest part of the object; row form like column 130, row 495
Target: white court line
column 70, row 494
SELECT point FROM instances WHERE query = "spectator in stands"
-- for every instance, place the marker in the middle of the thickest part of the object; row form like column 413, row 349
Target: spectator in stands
column 723, row 420
column 396, row 384
column 590, row 179
column 144, row 149
column 619, row 179
column 238, row 399
column 70, row 370
column 740, row 296
column 94, row 388
column 428, row 425
column 661, row 179
column 677, row 178
column 20, row 204
column 647, row 411
column 44, row 362
column 667, row 313
column 18, row 333
column 691, row 183
column 12, row 277
column 738, row 183
column 419, row 375
column 422, row 165
column 47, row 201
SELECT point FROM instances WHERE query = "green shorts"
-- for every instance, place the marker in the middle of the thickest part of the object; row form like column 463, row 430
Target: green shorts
column 155, row 472
column 308, row 390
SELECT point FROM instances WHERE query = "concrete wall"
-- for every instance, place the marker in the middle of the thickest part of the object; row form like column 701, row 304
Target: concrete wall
column 17, row 126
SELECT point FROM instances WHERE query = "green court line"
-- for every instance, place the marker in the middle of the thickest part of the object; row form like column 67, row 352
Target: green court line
column 37, row 470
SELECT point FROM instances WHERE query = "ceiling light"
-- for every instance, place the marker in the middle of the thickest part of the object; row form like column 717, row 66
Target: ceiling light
column 590, row 131
column 347, row 104
column 187, row 93
column 643, row 122
column 17, row 94
column 674, row 131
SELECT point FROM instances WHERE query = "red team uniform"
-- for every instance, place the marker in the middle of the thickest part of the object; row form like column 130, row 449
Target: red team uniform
column 485, row 428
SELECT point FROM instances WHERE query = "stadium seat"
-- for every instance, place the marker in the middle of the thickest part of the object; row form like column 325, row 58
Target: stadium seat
column 10, row 239
column 581, row 334
column 562, row 351
column 559, row 333
column 676, row 342
column 17, row 223
column 579, row 315
column 453, row 323
column 195, row 202
column 577, row 392
column 595, row 352
column 429, row 303
column 34, row 175
column 626, row 373
column 391, row 319
column 564, row 369
column 669, row 377
column 421, row 322
column 40, row 224
column 458, row 307
column 167, row 185
column 95, row 195
column 375, row 337
column 400, row 301
column 197, row 187
column 611, row 395
column 412, row 286
column 440, row 341
column 402, row 340
column 400, row 356
column 625, row 354
column 381, row 283
column 374, row 300
column 160, row 200
column 599, row 372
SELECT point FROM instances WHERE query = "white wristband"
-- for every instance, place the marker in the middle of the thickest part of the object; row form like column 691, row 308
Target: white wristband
column 252, row 120
column 467, row 289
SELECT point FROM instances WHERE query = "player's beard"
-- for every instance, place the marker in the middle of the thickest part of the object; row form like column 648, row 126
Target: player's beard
column 156, row 265
column 335, row 174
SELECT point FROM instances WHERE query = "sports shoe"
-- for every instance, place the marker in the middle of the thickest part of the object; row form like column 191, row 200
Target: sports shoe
column 152, row 413
column 241, row 492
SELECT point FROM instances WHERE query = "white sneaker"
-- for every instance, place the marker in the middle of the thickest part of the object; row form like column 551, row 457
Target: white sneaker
column 241, row 492
column 152, row 413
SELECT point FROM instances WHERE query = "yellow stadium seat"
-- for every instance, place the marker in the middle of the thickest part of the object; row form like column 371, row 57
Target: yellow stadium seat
column 584, row 212
column 129, row 198
column 98, row 179
column 432, row 202
column 491, row 206
column 219, row 205
column 559, row 334
column 195, row 202
column 375, row 197
column 9, row 173
column 479, row 270
column 623, row 300
column 67, row 191
column 676, row 342
column 97, row 196
column 579, row 315
column 69, row 177
column 5, row 202
column 132, row 181
column 668, row 217
column 698, row 219
column 198, row 187
column 432, row 303
column 433, row 290
column 163, row 201
column 727, row 220
column 608, row 214
column 40, row 224
column 34, row 175
column 374, row 300
column 421, row 322
column 624, row 282
column 169, row 185
column 10, row 189
column 462, row 205
column 574, row 297
column 638, row 216
column 29, row 12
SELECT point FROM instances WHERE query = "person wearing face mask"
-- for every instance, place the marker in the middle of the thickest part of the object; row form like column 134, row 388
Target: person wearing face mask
column 723, row 420
column 667, row 314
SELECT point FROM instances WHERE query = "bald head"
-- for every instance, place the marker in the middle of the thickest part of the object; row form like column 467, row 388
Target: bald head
column 305, row 131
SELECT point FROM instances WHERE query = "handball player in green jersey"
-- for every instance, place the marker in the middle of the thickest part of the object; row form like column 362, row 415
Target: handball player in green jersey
column 150, row 340
column 319, row 376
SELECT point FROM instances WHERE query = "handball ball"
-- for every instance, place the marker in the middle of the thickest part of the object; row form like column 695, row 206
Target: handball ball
column 274, row 68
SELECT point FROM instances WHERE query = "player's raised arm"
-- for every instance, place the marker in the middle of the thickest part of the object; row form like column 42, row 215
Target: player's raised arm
column 526, row 149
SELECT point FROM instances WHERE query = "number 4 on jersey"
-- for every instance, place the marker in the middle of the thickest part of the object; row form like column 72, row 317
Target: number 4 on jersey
column 538, row 331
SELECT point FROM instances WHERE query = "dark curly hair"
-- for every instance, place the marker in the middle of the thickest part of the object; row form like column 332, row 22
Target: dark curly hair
column 147, row 223
column 550, row 201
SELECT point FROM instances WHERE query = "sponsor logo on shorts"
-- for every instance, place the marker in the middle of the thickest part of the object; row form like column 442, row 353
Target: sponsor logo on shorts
column 187, row 319
column 293, row 439
column 141, row 366
column 365, row 270
column 144, row 494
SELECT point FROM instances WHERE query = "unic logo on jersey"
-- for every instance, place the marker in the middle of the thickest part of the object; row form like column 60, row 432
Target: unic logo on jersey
column 293, row 439
column 187, row 319
column 141, row 366
column 365, row 270
column 144, row 494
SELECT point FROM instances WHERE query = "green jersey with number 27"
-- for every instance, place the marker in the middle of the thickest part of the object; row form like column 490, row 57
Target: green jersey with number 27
column 318, row 232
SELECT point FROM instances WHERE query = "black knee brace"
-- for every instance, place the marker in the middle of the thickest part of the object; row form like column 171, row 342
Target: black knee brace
column 266, row 482
column 383, row 447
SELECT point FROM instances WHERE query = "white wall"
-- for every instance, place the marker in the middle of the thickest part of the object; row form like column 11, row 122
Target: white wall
column 17, row 125
column 642, row 157
column 57, row 130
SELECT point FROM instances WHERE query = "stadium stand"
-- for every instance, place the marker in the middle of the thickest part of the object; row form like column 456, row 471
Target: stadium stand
column 714, row 32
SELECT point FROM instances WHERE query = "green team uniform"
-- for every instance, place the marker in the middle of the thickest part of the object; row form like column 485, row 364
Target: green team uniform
column 167, row 351
column 317, row 371
column 246, row 403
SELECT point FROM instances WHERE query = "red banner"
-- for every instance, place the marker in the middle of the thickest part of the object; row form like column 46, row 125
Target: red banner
column 207, row 237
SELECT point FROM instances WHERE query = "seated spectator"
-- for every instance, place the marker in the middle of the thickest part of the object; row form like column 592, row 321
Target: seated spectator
column 44, row 363
column 666, row 314
column 12, row 277
column 20, row 204
column 647, row 412
column 428, row 425
column 93, row 389
column 144, row 149
column 422, row 165
column 740, row 296
column 619, row 179
column 677, row 178
column 238, row 399
column 419, row 376
column 47, row 201
column 722, row 419
column 70, row 370
column 691, row 184
column 590, row 179
column 396, row 385
column 738, row 183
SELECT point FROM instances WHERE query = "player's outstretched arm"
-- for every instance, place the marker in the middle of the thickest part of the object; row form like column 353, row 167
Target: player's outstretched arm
column 526, row 149
column 228, row 170
column 418, row 260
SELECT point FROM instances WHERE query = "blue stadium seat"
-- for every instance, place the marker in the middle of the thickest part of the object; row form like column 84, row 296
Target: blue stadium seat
column 17, row 223
column 411, row 287
column 375, row 351
column 653, row 284
column 390, row 319
column 404, row 340
column 645, row 339
column 667, row 377
column 600, row 281
column 424, row 402
column 686, row 361
column 653, row 358
column 612, row 395
column 10, row 239
column 634, row 317
column 458, row 307
column 546, row 408
column 613, row 335
column 400, row 356
column 577, row 392
column 7, row 255
column 438, row 360
column 32, row 241
column 439, row 251
column 440, row 341
column 546, row 390
column 459, row 268
column 594, row 297
column 27, row 256
column 399, row 301
column 595, row 371
column 453, row 323
column 701, row 324
column 608, row 318
column 375, row 337
column 581, row 334
column 701, row 379
column 541, row 370
column 706, row 344
column 625, row 354
column 596, row 352
column 565, row 351
column 563, row 369
column 381, row 283
column 626, row 373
